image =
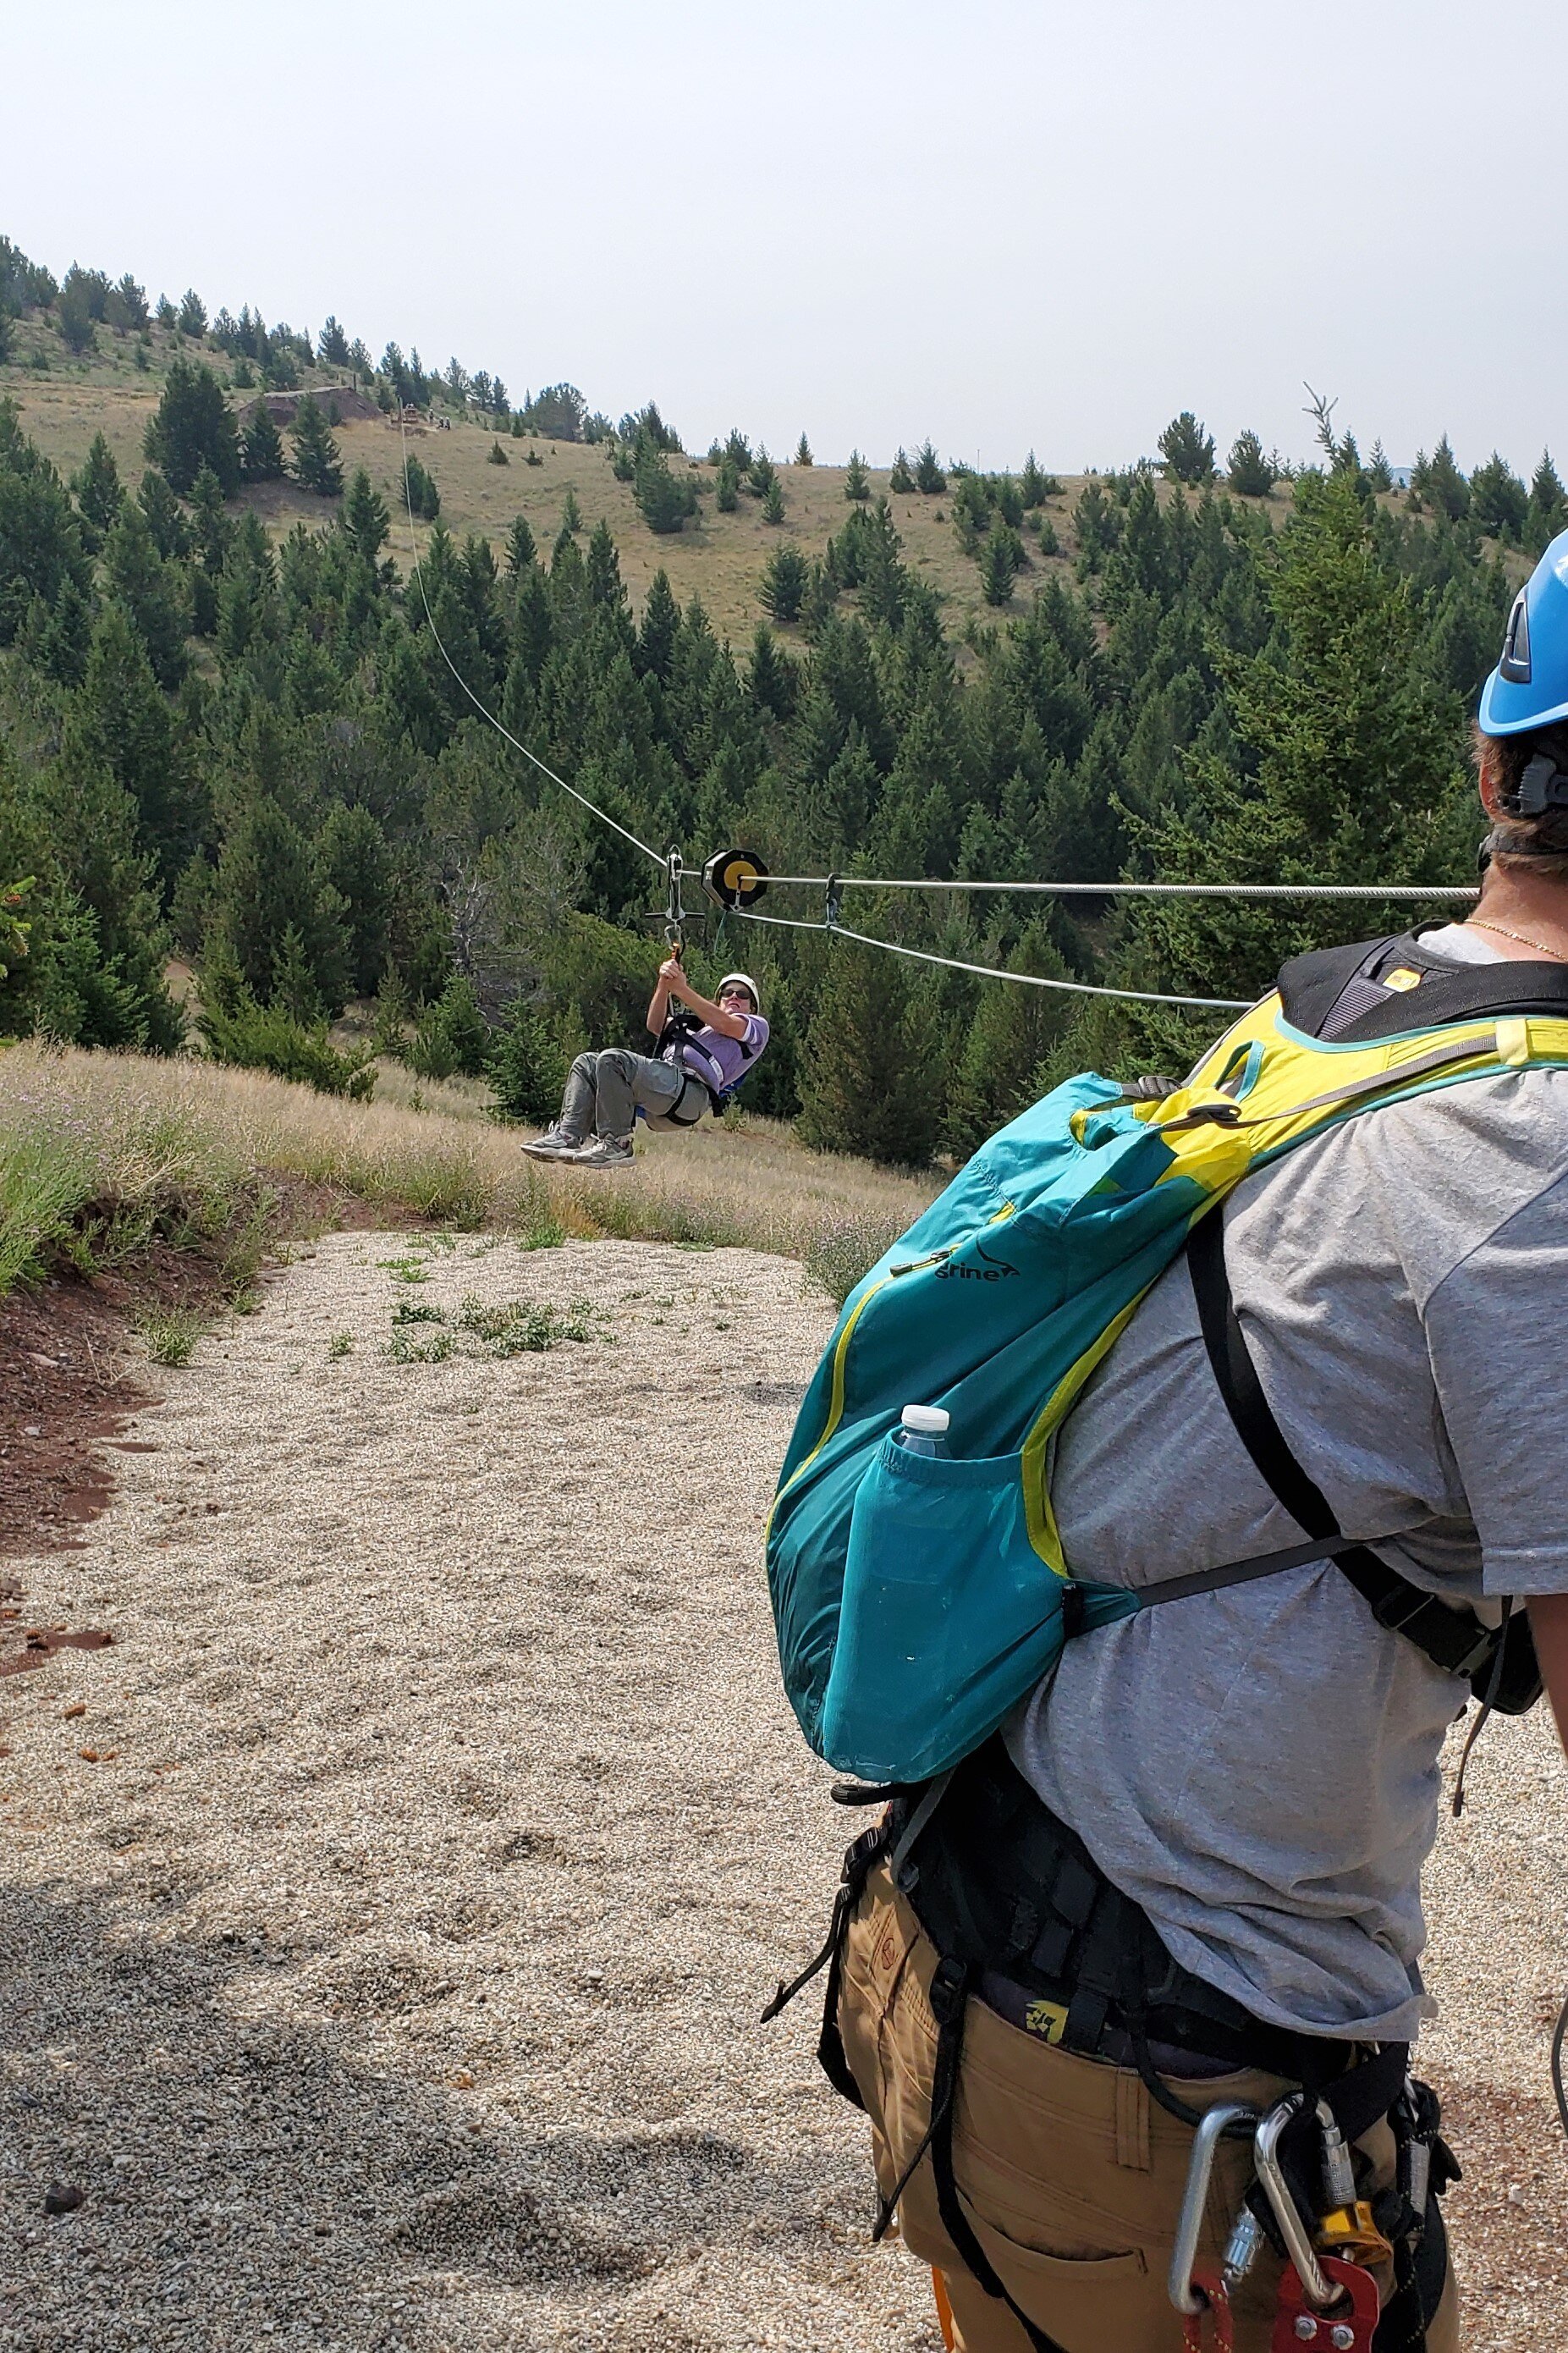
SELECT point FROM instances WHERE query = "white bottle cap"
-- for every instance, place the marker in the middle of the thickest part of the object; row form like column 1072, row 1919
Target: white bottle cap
column 930, row 1420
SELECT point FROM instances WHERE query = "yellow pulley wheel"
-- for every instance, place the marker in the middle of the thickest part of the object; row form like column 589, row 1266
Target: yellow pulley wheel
column 735, row 877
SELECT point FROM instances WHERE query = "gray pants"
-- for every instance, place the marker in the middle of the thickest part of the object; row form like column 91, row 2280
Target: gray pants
column 604, row 1092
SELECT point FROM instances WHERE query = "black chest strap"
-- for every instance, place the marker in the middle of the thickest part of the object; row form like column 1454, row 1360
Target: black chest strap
column 1454, row 1639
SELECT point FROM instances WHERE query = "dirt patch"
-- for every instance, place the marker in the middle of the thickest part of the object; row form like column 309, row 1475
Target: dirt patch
column 66, row 1394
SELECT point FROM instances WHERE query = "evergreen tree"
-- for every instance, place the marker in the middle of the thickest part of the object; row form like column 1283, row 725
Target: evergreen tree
column 773, row 502
column 727, row 488
column 1036, row 487
column 871, row 1082
column 123, row 722
column 165, row 519
column 526, row 1065
column 112, row 970
column 192, row 428
column 151, row 591
column 1015, row 1029
column 495, row 456
column 856, row 481
column 262, row 452
column 1548, row 511
column 294, row 990
column 421, row 492
column 317, row 464
column 663, row 502
column 334, row 345
column 1248, row 470
column 1500, row 503
column 193, row 317
column 1186, row 450
column 1000, row 559
column 98, row 491
column 1379, row 473
column 928, row 475
column 784, row 585
column 268, row 884
column 771, row 676
column 803, row 456
column 453, row 1037
column 902, row 480
column 572, row 514
column 355, row 860
column 521, row 550
column 660, row 627
column 210, row 525
column 1437, row 481
column 366, row 518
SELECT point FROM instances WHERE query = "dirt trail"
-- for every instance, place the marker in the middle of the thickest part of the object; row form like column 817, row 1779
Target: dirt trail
column 387, row 1974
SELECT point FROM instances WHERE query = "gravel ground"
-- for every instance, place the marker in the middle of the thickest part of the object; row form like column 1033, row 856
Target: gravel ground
column 385, row 1938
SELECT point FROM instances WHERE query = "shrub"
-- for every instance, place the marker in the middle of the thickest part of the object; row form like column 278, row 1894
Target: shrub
column 495, row 456
column 527, row 1066
column 264, row 1037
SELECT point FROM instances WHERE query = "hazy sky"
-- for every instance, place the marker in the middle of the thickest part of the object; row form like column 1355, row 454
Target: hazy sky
column 1003, row 225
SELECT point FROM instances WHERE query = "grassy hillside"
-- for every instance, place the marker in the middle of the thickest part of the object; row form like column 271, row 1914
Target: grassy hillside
column 717, row 557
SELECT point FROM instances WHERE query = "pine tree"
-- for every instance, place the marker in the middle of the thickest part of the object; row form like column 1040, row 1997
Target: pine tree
column 1014, row 1029
column 662, row 501
column 526, row 1065
column 213, row 530
column 902, row 480
column 803, row 456
column 771, row 676
column 333, row 344
column 856, row 481
column 572, row 514
column 98, row 491
column 1438, row 481
column 727, row 488
column 124, row 722
column 999, row 561
column 521, row 550
column 1248, row 470
column 928, row 475
column 294, row 990
column 660, row 627
column 421, row 492
column 773, row 502
column 193, row 427
column 784, row 584
column 317, row 465
column 604, row 570
column 165, row 518
column 192, row 315
column 151, row 591
column 495, row 456
column 1379, row 473
column 871, row 1082
column 262, row 448
column 1500, row 503
column 1186, row 450
column 268, row 883
column 453, row 1035
column 1036, row 487
column 366, row 518
column 353, row 857
column 1548, row 510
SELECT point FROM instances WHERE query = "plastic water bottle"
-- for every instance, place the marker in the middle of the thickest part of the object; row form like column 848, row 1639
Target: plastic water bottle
column 923, row 1428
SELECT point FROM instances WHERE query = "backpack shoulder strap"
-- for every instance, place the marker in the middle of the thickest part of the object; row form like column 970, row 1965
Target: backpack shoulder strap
column 1454, row 1639
column 1380, row 988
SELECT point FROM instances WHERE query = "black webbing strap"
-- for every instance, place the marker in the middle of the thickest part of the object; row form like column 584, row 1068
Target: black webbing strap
column 1454, row 1639
column 948, row 2001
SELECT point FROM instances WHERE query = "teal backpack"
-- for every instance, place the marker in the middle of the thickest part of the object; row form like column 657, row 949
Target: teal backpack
column 917, row 1599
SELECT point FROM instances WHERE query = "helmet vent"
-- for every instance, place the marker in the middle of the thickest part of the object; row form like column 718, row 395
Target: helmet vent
column 1515, row 663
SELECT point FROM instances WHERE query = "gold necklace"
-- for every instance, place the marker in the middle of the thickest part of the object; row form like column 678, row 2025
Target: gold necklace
column 1558, row 956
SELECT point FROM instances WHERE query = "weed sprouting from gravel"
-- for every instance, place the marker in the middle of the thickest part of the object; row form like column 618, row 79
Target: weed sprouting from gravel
column 546, row 1233
column 515, row 1327
column 405, row 1269
column 170, row 1334
column 417, row 1311
column 341, row 1345
column 434, row 1349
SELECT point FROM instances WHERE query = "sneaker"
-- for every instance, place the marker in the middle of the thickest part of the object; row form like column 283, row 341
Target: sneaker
column 553, row 1146
column 603, row 1153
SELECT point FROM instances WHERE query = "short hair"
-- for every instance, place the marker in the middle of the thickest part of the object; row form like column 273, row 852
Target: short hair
column 1539, row 844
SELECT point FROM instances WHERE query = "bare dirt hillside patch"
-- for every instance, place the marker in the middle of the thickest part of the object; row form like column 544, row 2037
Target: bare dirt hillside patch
column 388, row 1909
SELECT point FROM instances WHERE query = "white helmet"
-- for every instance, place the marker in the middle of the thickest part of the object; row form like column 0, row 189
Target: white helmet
column 739, row 980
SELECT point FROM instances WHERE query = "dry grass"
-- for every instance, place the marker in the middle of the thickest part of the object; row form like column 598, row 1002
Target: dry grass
column 718, row 558
column 121, row 1145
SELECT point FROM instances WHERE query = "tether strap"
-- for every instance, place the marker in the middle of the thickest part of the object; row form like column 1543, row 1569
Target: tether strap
column 1454, row 1639
column 949, row 1999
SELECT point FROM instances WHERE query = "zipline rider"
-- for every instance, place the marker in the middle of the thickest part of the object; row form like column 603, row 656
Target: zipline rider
column 706, row 1048
column 1224, row 1805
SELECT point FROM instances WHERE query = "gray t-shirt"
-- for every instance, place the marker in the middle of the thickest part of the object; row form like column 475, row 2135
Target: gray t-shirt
column 1258, row 1767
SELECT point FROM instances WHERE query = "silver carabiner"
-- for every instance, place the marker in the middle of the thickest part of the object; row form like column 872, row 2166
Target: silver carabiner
column 1217, row 2121
column 1315, row 2285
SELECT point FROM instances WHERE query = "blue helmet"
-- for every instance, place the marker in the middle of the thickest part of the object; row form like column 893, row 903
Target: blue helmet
column 1529, row 687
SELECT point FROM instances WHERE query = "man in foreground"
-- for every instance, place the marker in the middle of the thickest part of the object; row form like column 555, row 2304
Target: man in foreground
column 1238, row 1790
column 704, row 1051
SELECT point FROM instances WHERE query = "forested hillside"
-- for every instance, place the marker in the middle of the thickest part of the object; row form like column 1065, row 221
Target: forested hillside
column 228, row 733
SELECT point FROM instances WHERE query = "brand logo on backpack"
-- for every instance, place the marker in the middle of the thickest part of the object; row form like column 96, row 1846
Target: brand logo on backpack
column 995, row 1270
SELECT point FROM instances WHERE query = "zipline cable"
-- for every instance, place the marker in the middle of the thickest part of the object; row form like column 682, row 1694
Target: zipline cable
column 1150, row 889
column 602, row 815
column 994, row 972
